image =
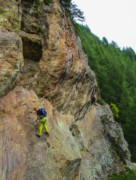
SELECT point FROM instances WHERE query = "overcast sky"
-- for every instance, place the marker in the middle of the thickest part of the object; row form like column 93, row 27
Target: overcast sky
column 113, row 19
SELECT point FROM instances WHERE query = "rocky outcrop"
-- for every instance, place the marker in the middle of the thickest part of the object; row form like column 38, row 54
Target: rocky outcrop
column 42, row 63
column 11, row 59
column 101, row 151
column 82, row 150
column 23, row 155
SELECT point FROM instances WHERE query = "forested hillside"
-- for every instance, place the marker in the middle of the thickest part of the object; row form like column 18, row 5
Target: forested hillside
column 115, row 69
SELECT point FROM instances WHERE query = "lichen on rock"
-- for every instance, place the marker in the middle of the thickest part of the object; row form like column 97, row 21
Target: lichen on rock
column 11, row 59
column 10, row 15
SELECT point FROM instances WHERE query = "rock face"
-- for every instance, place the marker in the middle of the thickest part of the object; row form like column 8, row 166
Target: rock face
column 42, row 63
column 11, row 59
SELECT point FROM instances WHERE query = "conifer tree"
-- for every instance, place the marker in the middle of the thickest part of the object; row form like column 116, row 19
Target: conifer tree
column 72, row 10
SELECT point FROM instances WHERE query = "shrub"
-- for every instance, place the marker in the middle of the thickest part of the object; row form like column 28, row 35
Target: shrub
column 47, row 2
column 127, row 175
column 115, row 110
column 101, row 101
column 37, row 5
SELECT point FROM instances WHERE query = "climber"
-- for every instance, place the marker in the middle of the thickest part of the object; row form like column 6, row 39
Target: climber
column 41, row 120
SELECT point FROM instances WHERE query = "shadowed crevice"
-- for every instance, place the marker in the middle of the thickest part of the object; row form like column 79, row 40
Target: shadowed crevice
column 32, row 46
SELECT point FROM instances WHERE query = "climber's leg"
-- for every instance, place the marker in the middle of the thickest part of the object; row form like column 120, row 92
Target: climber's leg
column 40, row 127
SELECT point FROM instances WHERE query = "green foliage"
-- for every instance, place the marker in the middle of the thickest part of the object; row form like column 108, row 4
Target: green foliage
column 41, row 31
column 116, row 75
column 128, row 175
column 101, row 101
column 115, row 110
column 72, row 10
column 47, row 2
column 38, row 5
column 76, row 13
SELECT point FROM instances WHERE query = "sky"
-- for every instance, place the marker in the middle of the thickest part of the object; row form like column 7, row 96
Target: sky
column 113, row 19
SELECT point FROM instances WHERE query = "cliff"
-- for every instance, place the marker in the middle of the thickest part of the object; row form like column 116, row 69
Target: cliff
column 42, row 63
